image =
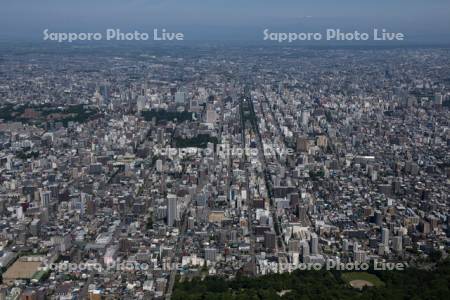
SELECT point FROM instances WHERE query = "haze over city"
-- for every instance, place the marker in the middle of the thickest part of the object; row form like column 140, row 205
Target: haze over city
column 421, row 21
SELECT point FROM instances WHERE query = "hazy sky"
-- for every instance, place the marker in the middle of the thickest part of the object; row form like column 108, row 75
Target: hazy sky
column 225, row 19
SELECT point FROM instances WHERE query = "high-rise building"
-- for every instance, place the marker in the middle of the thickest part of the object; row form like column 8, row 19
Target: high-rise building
column 45, row 198
column 303, row 215
column 385, row 236
column 270, row 240
column 305, row 248
column 191, row 223
column 378, row 217
column 355, row 246
column 104, row 92
column 294, row 245
column 360, row 256
column 303, row 144
column 305, row 117
column 345, row 245
column 171, row 209
column 211, row 115
column 314, row 244
column 159, row 165
column 210, row 254
column 180, row 97
column 141, row 101
column 438, row 97
column 397, row 243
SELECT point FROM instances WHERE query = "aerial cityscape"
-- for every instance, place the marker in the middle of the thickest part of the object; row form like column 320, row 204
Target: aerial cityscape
column 196, row 150
column 124, row 173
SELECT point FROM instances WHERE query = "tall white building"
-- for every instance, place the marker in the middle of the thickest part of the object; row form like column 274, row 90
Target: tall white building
column 180, row 97
column 385, row 236
column 360, row 256
column 305, row 117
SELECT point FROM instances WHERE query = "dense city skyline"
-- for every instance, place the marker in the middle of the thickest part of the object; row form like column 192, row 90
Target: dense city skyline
column 197, row 150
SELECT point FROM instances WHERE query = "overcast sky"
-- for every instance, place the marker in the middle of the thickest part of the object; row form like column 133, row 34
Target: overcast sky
column 226, row 19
